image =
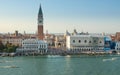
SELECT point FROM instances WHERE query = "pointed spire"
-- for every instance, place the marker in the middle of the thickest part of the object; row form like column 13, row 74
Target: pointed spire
column 40, row 11
column 67, row 33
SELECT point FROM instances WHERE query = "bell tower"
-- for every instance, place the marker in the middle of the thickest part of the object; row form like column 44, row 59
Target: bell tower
column 40, row 24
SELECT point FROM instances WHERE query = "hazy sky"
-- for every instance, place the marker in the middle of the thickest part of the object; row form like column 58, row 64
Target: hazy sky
column 94, row 16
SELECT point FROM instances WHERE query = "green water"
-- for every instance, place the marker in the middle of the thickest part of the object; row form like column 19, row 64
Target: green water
column 60, row 65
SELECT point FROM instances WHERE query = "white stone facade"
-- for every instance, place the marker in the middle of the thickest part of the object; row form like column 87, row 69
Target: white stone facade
column 85, row 42
column 60, row 41
column 117, row 47
column 33, row 45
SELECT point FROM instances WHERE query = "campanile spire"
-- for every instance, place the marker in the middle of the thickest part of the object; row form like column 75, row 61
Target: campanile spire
column 40, row 16
column 40, row 24
column 40, row 11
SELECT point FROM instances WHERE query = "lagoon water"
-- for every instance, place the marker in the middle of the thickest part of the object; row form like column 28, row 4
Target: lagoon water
column 60, row 65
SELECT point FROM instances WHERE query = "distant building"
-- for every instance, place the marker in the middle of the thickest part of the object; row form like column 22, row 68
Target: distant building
column 16, row 33
column 117, row 36
column 74, row 32
column 50, row 39
column 107, row 43
column 12, row 40
column 15, row 38
column 112, row 37
column 33, row 45
column 85, row 42
column 117, row 47
column 60, row 41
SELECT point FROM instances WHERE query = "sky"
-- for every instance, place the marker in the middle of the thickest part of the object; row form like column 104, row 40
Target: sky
column 93, row 16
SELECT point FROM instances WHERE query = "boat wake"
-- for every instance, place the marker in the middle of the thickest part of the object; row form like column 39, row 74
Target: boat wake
column 68, row 56
column 5, row 61
column 49, row 56
column 9, row 66
column 111, row 59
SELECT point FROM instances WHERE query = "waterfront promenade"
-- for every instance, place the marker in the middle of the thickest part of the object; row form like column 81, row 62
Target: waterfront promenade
column 54, row 51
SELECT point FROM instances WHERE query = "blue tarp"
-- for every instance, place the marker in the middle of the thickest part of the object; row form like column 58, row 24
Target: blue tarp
column 107, row 38
column 107, row 49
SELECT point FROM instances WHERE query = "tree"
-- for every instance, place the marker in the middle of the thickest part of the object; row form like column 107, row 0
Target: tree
column 10, row 48
column 1, row 46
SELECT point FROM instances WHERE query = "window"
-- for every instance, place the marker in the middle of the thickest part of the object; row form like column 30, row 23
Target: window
column 94, row 41
column 100, row 41
column 89, row 41
column 85, row 41
column 44, row 46
column 79, row 41
column 73, row 41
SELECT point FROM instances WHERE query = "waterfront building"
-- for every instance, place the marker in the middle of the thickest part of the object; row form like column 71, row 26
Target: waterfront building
column 33, row 45
column 108, row 43
column 12, row 40
column 117, row 36
column 112, row 37
column 60, row 41
column 40, row 24
column 117, row 47
column 85, row 42
column 50, row 38
column 15, row 38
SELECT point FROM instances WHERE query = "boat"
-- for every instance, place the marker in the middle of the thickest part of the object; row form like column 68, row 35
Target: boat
column 12, row 54
column 9, row 66
column 68, row 56
column 111, row 59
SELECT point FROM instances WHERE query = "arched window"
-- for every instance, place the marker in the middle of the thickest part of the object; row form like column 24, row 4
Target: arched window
column 79, row 41
column 73, row 41
column 85, row 41
column 89, row 41
column 100, row 41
